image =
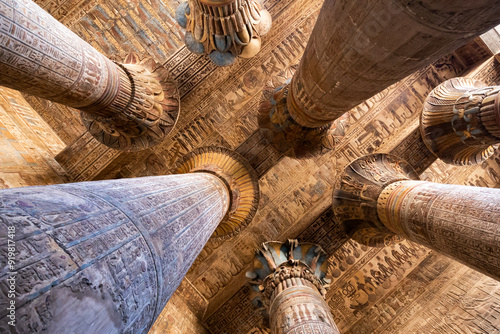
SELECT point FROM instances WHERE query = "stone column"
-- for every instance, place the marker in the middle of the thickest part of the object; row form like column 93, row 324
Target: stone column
column 124, row 106
column 106, row 256
column 357, row 49
column 377, row 197
column 292, row 284
column 461, row 120
column 224, row 29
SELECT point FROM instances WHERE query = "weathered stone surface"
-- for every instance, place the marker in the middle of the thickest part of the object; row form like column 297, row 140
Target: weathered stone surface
column 370, row 46
column 27, row 145
column 356, row 192
column 178, row 315
column 124, row 106
column 461, row 121
column 238, row 176
column 459, row 221
column 462, row 222
column 225, row 29
column 291, row 280
column 104, row 256
column 377, row 44
column 402, row 288
column 290, row 209
column 440, row 295
column 290, row 137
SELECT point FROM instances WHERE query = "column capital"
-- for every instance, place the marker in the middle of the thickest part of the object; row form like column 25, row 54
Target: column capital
column 291, row 279
column 357, row 191
column 238, row 176
column 460, row 121
column 381, row 197
column 142, row 109
column 124, row 106
column 276, row 262
column 352, row 54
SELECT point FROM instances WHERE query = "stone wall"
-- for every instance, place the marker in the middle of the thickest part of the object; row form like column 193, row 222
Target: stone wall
column 27, row 145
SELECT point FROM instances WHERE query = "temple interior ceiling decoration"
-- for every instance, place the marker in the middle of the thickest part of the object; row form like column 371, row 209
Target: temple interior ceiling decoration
column 402, row 287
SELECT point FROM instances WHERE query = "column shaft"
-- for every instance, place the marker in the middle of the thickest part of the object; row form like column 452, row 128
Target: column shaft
column 291, row 279
column 299, row 307
column 103, row 256
column 378, row 202
column 359, row 48
column 462, row 222
column 40, row 56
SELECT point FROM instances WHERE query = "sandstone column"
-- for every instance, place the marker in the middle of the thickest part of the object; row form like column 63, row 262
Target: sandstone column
column 378, row 197
column 461, row 120
column 291, row 279
column 106, row 256
column 357, row 49
column 124, row 106
column 224, row 29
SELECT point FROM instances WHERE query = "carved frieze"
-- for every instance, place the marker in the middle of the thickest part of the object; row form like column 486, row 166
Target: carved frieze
column 292, row 284
column 460, row 121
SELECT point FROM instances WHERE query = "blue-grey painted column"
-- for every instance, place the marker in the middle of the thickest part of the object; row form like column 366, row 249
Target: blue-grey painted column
column 291, row 279
column 103, row 256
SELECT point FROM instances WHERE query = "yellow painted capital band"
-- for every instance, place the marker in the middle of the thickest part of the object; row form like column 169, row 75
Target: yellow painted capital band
column 389, row 205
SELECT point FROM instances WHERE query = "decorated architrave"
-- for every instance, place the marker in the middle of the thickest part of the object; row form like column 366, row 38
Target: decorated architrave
column 379, row 199
column 291, row 279
column 461, row 121
column 357, row 49
column 106, row 256
column 224, row 29
column 124, row 106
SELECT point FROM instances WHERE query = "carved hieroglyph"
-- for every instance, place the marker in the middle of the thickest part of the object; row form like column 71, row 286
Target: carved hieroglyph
column 461, row 120
column 462, row 222
column 371, row 46
column 292, row 284
column 356, row 192
column 118, row 249
column 224, row 29
column 124, row 106
column 237, row 174
column 105, row 256
column 288, row 136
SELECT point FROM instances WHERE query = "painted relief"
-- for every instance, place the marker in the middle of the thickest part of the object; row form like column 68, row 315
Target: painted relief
column 402, row 288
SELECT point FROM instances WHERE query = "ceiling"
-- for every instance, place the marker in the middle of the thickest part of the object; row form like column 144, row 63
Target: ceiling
column 219, row 107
